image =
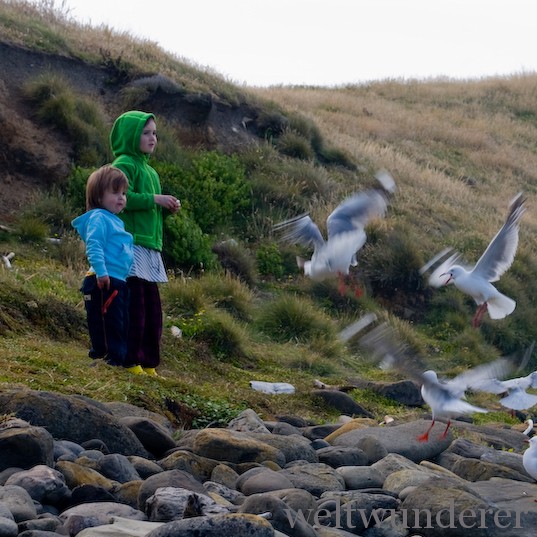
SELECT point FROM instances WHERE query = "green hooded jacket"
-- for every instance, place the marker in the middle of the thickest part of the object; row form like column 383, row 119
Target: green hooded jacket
column 142, row 216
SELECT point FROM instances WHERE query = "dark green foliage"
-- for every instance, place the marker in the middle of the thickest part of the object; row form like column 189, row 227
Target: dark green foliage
column 213, row 189
column 269, row 261
column 185, row 246
column 76, row 188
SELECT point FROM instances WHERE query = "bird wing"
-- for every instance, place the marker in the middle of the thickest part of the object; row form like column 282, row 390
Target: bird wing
column 356, row 211
column 300, row 230
column 385, row 347
column 483, row 378
column 438, row 277
column 500, row 253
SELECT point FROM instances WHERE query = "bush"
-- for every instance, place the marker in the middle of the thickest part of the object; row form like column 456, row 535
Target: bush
column 213, row 189
column 269, row 261
column 186, row 247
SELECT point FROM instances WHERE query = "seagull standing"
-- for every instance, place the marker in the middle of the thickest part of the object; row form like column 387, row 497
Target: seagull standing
column 529, row 459
column 497, row 258
column 345, row 230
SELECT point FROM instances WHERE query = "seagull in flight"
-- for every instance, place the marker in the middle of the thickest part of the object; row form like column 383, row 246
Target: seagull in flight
column 477, row 281
column 345, row 230
column 444, row 397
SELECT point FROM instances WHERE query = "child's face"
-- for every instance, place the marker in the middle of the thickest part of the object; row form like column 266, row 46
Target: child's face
column 148, row 139
column 114, row 201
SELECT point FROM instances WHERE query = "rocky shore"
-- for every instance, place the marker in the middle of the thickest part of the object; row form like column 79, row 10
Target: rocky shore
column 70, row 465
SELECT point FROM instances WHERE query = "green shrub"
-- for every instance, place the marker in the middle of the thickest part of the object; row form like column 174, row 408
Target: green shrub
column 185, row 246
column 269, row 261
column 213, row 189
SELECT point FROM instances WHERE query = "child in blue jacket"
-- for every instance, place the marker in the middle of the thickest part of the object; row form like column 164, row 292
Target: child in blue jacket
column 109, row 249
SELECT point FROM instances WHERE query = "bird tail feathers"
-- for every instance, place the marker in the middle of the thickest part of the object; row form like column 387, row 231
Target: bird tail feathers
column 500, row 306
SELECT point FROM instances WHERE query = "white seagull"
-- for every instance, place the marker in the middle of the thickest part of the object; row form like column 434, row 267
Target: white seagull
column 345, row 230
column 477, row 281
column 529, row 459
column 516, row 398
column 444, row 397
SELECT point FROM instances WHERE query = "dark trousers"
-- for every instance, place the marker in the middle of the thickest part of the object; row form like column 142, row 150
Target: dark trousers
column 145, row 323
column 107, row 323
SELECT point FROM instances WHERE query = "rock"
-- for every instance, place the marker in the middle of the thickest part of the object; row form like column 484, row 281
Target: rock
column 248, row 421
column 402, row 439
column 282, row 517
column 155, row 438
column 236, row 447
column 478, row 470
column 360, row 477
column 172, row 503
column 70, row 418
column 25, row 446
column 231, row 525
column 342, row 402
column 336, row 456
column 18, row 501
column 265, row 481
column 316, row 478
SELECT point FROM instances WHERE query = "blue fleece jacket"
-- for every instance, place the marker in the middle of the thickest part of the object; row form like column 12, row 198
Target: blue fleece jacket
column 109, row 248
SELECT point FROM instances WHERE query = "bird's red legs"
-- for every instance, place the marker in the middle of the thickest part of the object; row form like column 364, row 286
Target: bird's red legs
column 425, row 436
column 478, row 317
column 343, row 286
column 443, row 435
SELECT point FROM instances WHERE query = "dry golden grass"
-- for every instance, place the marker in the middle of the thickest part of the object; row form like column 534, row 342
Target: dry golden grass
column 458, row 150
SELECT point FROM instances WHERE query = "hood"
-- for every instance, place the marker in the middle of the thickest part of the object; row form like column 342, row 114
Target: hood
column 126, row 132
column 80, row 223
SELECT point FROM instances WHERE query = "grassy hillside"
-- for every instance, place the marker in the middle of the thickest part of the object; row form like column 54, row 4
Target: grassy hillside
column 458, row 151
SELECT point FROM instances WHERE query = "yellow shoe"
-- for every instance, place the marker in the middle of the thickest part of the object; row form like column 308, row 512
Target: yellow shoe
column 136, row 370
column 151, row 371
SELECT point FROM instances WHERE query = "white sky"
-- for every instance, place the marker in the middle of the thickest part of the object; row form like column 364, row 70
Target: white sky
column 331, row 42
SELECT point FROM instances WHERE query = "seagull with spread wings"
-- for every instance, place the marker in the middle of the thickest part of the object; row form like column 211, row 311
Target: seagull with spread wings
column 477, row 281
column 345, row 231
column 445, row 397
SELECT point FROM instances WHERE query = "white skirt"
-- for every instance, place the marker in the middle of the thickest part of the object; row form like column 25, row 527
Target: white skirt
column 148, row 265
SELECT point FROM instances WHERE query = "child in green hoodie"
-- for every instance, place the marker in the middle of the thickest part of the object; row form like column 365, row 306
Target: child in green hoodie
column 133, row 139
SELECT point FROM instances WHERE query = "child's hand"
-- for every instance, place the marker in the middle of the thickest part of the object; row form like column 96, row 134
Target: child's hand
column 103, row 282
column 168, row 202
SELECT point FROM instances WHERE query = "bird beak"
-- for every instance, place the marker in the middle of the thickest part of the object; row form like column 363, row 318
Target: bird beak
column 447, row 274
